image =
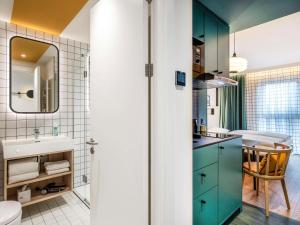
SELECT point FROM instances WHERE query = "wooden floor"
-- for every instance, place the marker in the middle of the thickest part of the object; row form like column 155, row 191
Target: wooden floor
column 256, row 216
column 277, row 202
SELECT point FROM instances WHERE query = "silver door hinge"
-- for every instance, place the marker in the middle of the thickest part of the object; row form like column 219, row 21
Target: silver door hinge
column 149, row 70
column 84, row 74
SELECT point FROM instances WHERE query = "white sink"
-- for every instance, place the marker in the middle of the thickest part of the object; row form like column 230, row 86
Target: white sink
column 28, row 147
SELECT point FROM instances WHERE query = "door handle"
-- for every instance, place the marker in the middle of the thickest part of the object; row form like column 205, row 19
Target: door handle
column 92, row 143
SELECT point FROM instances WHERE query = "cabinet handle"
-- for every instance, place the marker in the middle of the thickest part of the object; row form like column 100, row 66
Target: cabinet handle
column 221, row 150
column 202, row 204
column 215, row 71
column 201, row 36
column 203, row 175
column 220, row 72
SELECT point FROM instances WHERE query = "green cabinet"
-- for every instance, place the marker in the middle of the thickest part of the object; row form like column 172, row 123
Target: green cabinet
column 211, row 43
column 204, row 179
column 223, row 49
column 217, row 182
column 205, row 156
column 214, row 32
column 230, row 178
column 198, row 21
column 205, row 208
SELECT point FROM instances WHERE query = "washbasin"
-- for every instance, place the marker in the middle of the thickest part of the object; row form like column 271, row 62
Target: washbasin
column 27, row 147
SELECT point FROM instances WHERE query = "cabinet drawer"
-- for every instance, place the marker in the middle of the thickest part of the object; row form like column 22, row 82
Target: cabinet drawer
column 204, row 179
column 205, row 156
column 205, row 208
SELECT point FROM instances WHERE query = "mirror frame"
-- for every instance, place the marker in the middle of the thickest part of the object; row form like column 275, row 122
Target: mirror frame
column 10, row 75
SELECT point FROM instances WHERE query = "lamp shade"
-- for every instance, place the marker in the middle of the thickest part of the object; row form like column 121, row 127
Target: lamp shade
column 238, row 64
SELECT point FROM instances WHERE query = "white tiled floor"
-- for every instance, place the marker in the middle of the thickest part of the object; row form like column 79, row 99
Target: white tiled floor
column 67, row 209
column 84, row 192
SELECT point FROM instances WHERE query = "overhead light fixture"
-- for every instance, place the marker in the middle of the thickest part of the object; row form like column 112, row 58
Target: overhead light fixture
column 23, row 55
column 237, row 64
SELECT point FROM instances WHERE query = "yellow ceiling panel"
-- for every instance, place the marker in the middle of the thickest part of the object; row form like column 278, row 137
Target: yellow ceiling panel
column 27, row 50
column 50, row 16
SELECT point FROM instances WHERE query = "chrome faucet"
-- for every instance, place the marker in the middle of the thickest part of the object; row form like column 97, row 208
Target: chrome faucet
column 36, row 134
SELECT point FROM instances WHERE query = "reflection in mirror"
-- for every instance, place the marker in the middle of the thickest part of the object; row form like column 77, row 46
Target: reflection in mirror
column 34, row 86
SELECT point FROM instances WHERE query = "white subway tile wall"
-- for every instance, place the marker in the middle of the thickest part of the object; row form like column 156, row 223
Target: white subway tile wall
column 72, row 116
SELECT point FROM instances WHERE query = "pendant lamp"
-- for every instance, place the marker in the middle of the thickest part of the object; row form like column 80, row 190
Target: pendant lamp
column 237, row 64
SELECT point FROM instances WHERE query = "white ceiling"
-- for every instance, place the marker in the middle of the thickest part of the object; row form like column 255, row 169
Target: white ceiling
column 271, row 44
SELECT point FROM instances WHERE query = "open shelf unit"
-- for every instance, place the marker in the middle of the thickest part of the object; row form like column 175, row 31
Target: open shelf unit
column 65, row 178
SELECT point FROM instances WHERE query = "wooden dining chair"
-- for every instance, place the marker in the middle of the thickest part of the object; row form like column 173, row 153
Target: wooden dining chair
column 269, row 164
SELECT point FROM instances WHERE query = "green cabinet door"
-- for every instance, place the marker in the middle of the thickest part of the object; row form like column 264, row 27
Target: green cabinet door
column 230, row 178
column 204, row 179
column 211, row 43
column 205, row 208
column 223, row 49
column 198, row 20
column 205, row 156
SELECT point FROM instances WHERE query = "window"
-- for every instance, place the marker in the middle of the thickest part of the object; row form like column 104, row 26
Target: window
column 273, row 102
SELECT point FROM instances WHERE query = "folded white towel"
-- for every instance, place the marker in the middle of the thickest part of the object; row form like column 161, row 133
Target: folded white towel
column 22, row 177
column 51, row 172
column 21, row 166
column 57, row 165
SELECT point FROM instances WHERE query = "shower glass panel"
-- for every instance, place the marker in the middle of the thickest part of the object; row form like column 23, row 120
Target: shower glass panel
column 82, row 190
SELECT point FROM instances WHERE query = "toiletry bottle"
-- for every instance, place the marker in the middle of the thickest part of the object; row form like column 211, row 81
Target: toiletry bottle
column 55, row 129
column 195, row 126
column 202, row 128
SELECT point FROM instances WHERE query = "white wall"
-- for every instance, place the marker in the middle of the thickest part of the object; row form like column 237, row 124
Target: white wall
column 212, row 120
column 172, row 112
column 270, row 44
column 6, row 10
column 119, row 113
column 79, row 27
column 20, row 126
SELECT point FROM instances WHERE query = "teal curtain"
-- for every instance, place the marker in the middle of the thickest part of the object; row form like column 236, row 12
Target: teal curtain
column 233, row 105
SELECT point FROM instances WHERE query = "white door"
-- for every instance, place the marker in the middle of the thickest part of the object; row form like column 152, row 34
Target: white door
column 118, row 113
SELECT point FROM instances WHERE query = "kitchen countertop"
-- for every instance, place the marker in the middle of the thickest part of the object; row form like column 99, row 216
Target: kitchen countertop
column 205, row 141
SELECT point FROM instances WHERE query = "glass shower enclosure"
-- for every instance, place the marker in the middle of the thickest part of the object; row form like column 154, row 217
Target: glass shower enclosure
column 82, row 185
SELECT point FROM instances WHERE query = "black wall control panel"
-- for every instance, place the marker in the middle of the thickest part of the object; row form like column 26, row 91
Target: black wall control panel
column 180, row 78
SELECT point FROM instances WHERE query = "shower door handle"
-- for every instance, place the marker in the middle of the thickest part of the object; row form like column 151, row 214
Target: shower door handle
column 92, row 143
